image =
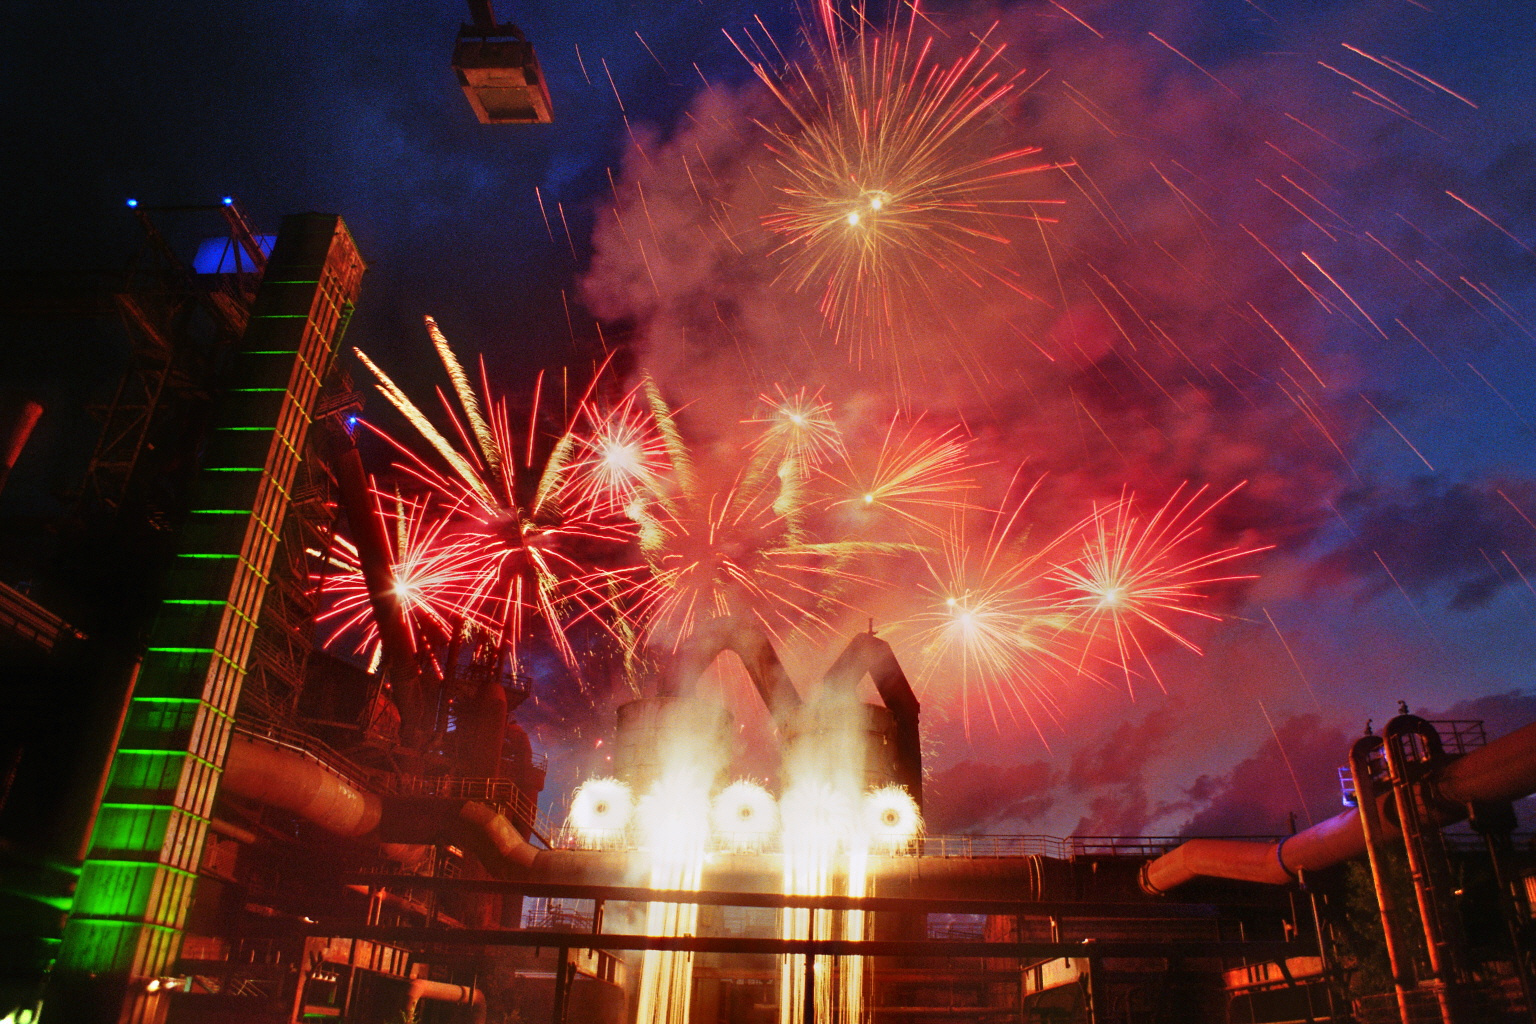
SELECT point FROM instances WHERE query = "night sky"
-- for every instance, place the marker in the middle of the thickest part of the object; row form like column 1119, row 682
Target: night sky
column 1272, row 260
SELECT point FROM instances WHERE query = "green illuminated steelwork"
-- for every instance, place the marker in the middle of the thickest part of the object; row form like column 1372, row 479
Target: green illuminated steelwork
column 136, row 885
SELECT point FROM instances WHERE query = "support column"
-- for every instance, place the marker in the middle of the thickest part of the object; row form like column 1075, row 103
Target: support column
column 136, row 885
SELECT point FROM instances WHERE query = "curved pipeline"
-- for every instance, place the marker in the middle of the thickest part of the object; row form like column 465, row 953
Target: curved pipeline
column 1504, row 769
column 287, row 779
column 444, row 992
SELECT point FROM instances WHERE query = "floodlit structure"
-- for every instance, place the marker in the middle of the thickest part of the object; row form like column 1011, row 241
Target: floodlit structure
column 499, row 72
column 260, row 831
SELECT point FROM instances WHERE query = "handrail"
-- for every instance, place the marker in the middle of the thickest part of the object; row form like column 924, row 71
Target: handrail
column 931, row 846
column 306, row 745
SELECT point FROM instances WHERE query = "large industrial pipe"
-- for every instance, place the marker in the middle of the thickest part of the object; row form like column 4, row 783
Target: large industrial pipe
column 443, row 992
column 285, row 778
column 1505, row 769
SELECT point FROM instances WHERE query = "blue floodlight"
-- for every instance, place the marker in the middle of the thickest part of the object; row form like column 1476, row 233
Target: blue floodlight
column 228, row 200
column 132, row 203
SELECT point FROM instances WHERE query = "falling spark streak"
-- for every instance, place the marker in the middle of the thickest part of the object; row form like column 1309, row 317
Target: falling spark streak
column 569, row 239
column 1399, row 433
column 1497, row 302
column 1133, row 574
column 1294, row 663
column 1346, row 294
column 1193, row 64
column 1404, row 71
column 1404, row 591
column 1519, row 573
column 1335, row 213
column 1518, row 511
column 544, row 213
column 1075, row 18
column 1327, row 306
column 652, row 52
column 613, row 85
column 1290, row 769
column 1500, row 395
column 1501, row 229
column 1435, row 355
column 1382, row 99
column 1299, row 211
column 1299, row 357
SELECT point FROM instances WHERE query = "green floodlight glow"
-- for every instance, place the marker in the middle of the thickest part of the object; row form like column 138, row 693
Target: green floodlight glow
column 136, row 886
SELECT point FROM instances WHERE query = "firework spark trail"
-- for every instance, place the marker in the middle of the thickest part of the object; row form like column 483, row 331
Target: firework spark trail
column 674, row 820
column 883, row 188
column 516, row 546
column 437, row 596
column 989, row 623
column 1402, row 436
column 799, row 428
column 1135, row 574
column 738, row 548
column 915, row 479
column 1294, row 663
column 1289, row 768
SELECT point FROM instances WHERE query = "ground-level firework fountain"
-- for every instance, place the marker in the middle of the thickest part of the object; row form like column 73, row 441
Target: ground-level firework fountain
column 840, row 803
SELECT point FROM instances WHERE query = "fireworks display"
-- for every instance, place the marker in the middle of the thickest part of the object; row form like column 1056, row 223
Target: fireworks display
column 1180, row 273
column 799, row 538
column 887, row 183
column 1136, row 573
column 601, row 810
column 1127, row 366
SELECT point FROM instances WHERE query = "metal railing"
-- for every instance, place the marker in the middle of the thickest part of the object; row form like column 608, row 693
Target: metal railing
column 306, row 746
column 958, row 846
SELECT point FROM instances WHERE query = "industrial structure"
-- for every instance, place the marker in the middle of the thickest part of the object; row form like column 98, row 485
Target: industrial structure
column 252, row 829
